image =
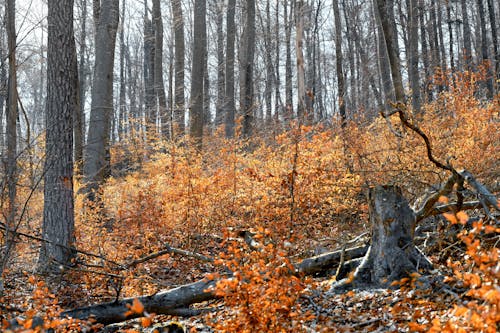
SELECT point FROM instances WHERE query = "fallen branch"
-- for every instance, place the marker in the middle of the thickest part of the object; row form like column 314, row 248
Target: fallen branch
column 171, row 302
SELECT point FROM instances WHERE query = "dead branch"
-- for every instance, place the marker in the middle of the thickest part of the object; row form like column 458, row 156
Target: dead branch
column 168, row 250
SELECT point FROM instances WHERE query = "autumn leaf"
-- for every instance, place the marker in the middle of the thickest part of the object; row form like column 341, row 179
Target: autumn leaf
column 135, row 308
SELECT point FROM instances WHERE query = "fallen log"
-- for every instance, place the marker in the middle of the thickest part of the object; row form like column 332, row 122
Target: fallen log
column 326, row 261
column 172, row 302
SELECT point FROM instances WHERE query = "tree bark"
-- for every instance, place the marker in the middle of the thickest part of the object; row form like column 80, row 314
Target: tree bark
column 150, row 101
column 179, row 112
column 79, row 126
column 247, row 101
column 158, row 70
column 301, row 76
column 122, row 107
column 466, row 36
column 494, row 37
column 61, row 105
column 229, row 103
column 97, row 159
column 197, row 73
column 484, row 50
column 219, row 106
column 392, row 254
column 288, row 13
column 414, row 75
column 389, row 37
column 338, row 63
column 11, row 131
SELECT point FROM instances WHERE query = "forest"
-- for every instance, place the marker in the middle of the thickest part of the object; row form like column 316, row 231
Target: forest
column 249, row 166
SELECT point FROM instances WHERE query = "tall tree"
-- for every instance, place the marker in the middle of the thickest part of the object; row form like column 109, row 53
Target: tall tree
column 79, row 119
column 122, row 108
column 62, row 103
column 247, row 102
column 196, row 112
column 158, row 69
column 338, row 62
column 494, row 38
column 383, row 8
column 383, row 58
column 149, row 70
column 288, row 11
column 219, row 105
column 179, row 68
column 466, row 35
column 413, row 55
column 11, row 129
column 3, row 87
column 484, row 48
column 97, row 158
column 301, row 76
column 229, row 104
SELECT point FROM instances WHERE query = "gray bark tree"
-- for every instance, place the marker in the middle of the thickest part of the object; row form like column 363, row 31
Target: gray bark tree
column 219, row 105
column 229, row 103
column 149, row 70
column 196, row 108
column 159, row 84
column 122, row 108
column 247, row 89
column 301, row 76
column 389, row 37
column 288, row 13
column 466, row 35
column 79, row 119
column 61, row 105
column 338, row 62
column 484, row 49
column 494, row 38
column 413, row 72
column 97, row 159
column 179, row 100
column 11, row 132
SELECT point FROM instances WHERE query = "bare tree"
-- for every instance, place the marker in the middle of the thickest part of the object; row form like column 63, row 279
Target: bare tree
column 494, row 37
column 466, row 35
column 79, row 119
column 62, row 104
column 229, row 104
column 301, row 76
column 219, row 105
column 196, row 112
column 159, row 85
column 383, row 8
column 413, row 55
column 11, row 129
column 179, row 68
column 338, row 62
column 97, row 159
column 484, row 49
column 247, row 90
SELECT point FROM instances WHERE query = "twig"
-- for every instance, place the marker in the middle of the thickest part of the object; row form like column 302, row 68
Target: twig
column 167, row 250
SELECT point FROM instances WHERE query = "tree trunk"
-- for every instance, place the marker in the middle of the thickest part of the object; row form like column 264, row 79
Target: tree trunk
column 149, row 71
column 158, row 70
column 229, row 104
column 494, row 37
column 97, row 159
column 247, row 106
column 3, row 88
column 338, row 62
column 196, row 112
column 219, row 106
column 413, row 56
column 288, row 62
column 122, row 107
column 301, row 76
column 389, row 37
column 466, row 33
column 392, row 254
column 79, row 126
column 179, row 112
column 11, row 129
column 383, row 58
column 484, row 50
column 62, row 103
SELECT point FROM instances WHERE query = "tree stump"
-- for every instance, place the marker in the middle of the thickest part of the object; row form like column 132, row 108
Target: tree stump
column 392, row 254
